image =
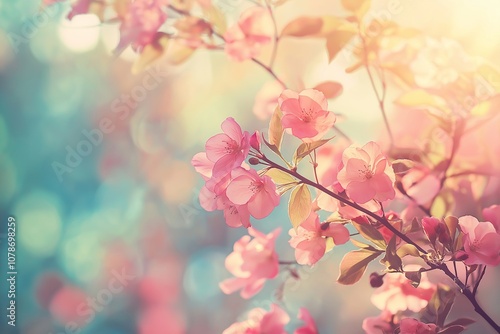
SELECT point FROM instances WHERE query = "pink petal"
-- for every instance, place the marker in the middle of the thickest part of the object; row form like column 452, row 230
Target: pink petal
column 232, row 129
column 216, row 146
column 231, row 285
column 262, row 204
column 338, row 232
column 239, row 190
column 202, row 165
column 300, row 129
column 314, row 99
column 360, row 192
column 310, row 251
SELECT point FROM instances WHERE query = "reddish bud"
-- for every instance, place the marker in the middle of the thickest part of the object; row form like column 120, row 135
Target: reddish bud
column 376, row 280
column 253, row 161
column 255, row 141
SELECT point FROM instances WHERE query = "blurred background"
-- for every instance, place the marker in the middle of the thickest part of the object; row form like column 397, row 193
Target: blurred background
column 95, row 167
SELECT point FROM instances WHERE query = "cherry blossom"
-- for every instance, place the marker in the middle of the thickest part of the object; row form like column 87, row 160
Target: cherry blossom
column 267, row 99
column 413, row 326
column 305, row 114
column 245, row 39
column 397, row 293
column 251, row 262
column 309, row 326
column 378, row 325
column 203, row 165
column 492, row 214
column 142, row 21
column 229, row 149
column 367, row 174
column 261, row 322
column 258, row 193
column 481, row 241
column 310, row 238
column 436, row 229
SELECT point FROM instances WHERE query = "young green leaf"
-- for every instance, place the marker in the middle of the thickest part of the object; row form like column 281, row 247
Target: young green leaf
column 300, row 204
column 305, row 148
column 276, row 129
column 353, row 265
column 370, row 233
column 279, row 176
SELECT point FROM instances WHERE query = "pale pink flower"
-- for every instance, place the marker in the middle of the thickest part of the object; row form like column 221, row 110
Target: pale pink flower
column 413, row 326
column 481, row 241
column 203, row 165
column 309, row 240
column 306, row 114
column 266, row 99
column 251, row 262
column 142, row 21
column 309, row 324
column 245, row 39
column 367, row 174
column 397, row 293
column 436, row 229
column 421, row 184
column 492, row 214
column 229, row 149
column 261, row 322
column 378, row 325
column 213, row 197
column 258, row 193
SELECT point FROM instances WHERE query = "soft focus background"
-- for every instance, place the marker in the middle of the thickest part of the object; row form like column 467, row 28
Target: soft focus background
column 118, row 235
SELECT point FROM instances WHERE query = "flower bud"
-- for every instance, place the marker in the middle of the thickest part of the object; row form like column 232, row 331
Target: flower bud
column 255, row 141
column 376, row 280
column 253, row 161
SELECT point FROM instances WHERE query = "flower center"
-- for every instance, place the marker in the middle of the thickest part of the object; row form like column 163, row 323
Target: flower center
column 307, row 114
column 366, row 172
column 475, row 245
column 231, row 147
column 255, row 186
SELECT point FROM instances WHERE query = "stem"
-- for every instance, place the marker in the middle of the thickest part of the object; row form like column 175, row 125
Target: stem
column 383, row 220
column 476, row 286
column 380, row 97
column 358, row 207
column 471, row 297
column 276, row 37
column 286, row 263
column 269, row 70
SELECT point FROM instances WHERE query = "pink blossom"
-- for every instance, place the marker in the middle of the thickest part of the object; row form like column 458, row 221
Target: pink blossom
column 397, row 293
column 436, row 229
column 261, row 322
column 245, row 39
column 202, row 165
column 366, row 174
column 306, row 114
column 213, row 197
column 251, row 262
column 378, row 325
column 492, row 214
column 310, row 238
column 142, row 21
column 413, row 326
column 266, row 99
column 258, row 193
column 229, row 149
column 309, row 324
column 481, row 241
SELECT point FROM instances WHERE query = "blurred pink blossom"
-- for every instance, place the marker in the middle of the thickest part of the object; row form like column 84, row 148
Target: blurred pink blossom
column 309, row 326
column 259, row 322
column 481, row 241
column 251, row 262
column 413, row 326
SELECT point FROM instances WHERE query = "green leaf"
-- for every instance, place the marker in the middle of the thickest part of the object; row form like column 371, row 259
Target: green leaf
column 336, row 41
column 391, row 259
column 419, row 98
column 358, row 7
column 439, row 306
column 330, row 89
column 279, row 176
column 353, row 265
column 407, row 249
column 370, row 233
column 305, row 148
column 276, row 129
column 462, row 322
column 455, row 329
column 363, row 245
column 414, row 277
column 300, row 204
